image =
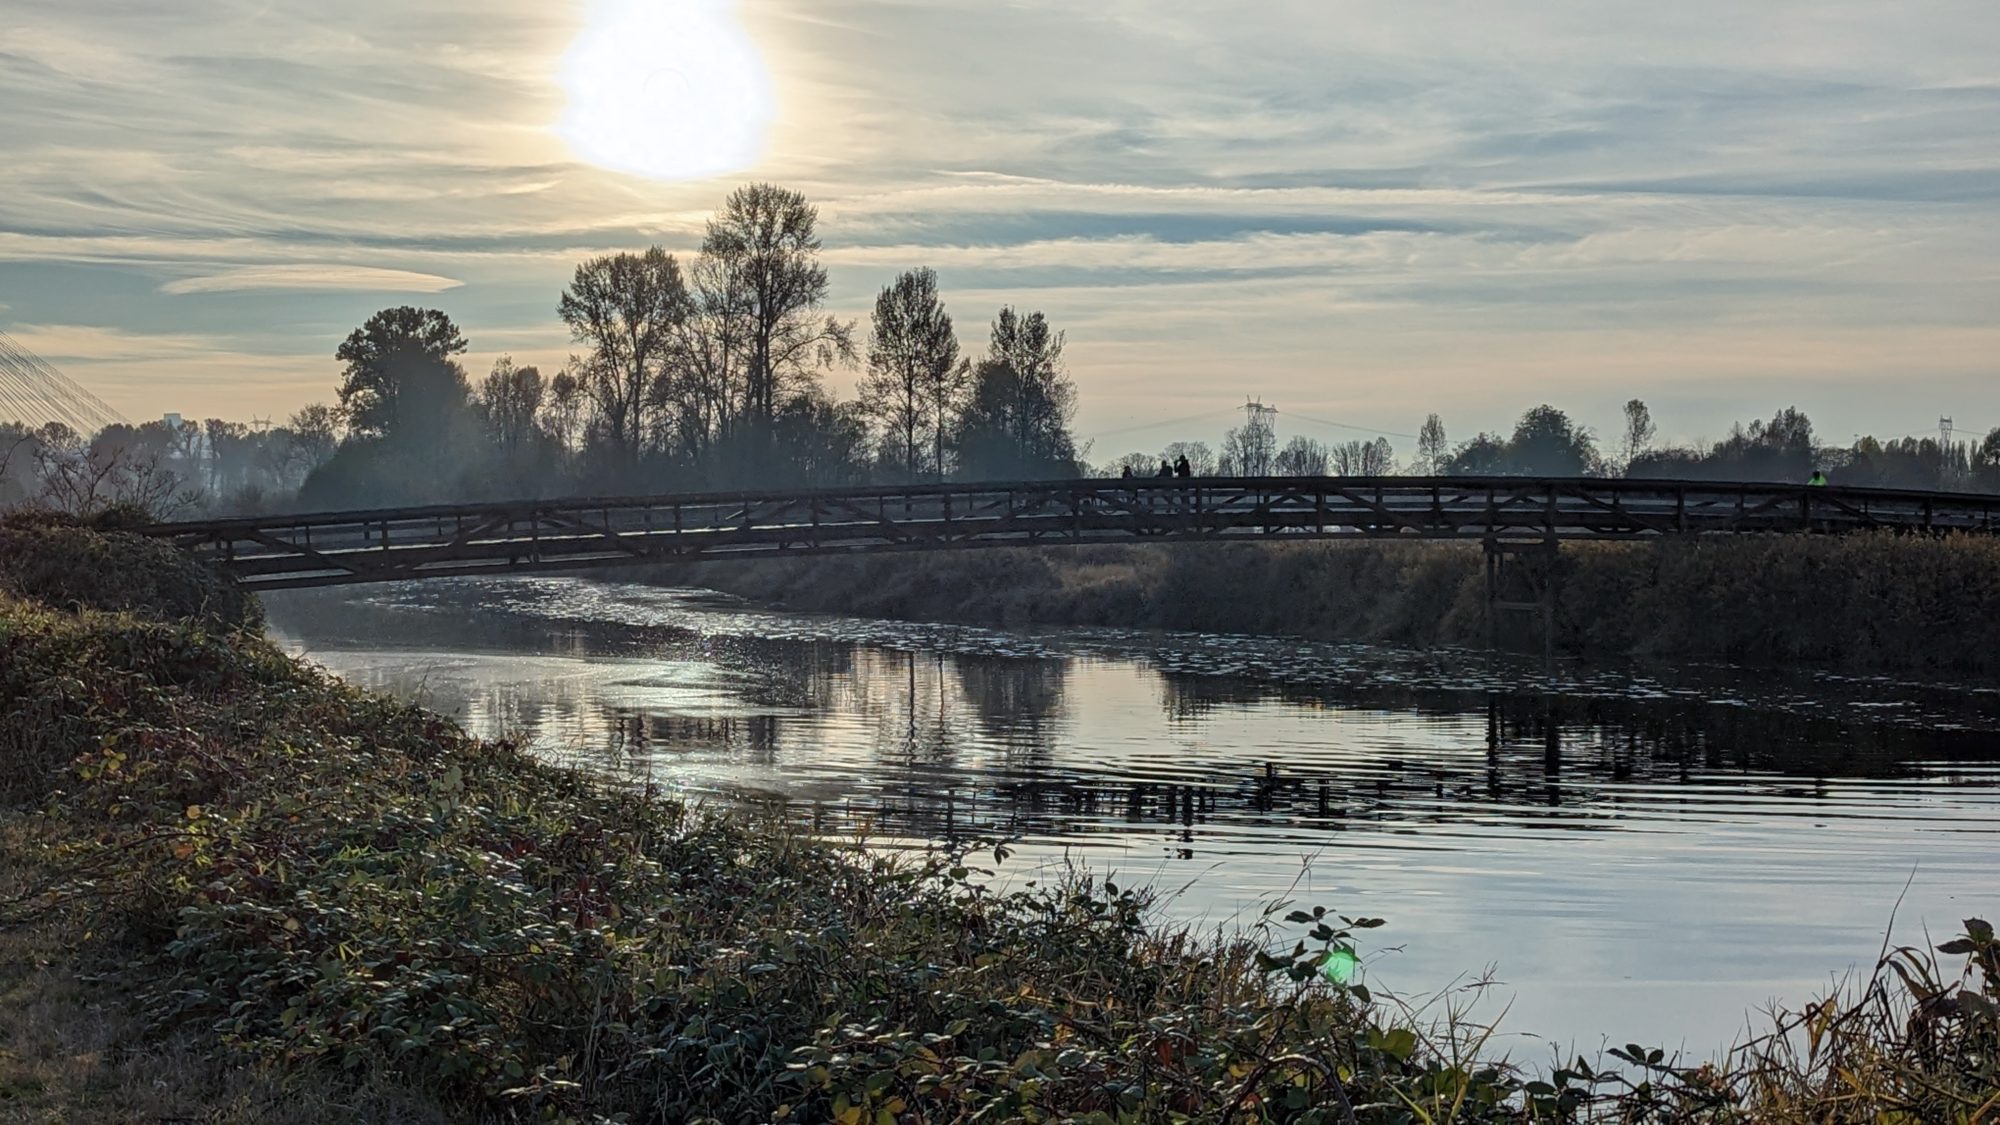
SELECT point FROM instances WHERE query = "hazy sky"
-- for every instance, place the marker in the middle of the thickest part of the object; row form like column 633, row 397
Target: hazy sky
column 1359, row 211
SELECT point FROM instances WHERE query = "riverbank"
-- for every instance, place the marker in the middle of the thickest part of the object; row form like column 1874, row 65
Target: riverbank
column 1856, row 603
column 233, row 888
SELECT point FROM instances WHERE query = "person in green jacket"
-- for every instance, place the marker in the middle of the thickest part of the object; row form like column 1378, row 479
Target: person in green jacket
column 1817, row 478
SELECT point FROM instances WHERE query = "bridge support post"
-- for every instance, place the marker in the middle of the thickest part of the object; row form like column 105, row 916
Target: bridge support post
column 1542, row 587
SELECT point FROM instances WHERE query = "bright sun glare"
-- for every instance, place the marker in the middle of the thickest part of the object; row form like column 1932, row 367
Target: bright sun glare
column 672, row 89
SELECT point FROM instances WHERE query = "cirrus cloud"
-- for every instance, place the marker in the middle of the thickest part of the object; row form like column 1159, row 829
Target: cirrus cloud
column 324, row 278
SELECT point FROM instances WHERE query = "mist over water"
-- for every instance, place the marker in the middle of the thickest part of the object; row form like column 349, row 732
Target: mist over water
column 1633, row 854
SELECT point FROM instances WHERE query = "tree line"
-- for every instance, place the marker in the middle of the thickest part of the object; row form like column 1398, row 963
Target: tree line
column 1547, row 442
column 710, row 373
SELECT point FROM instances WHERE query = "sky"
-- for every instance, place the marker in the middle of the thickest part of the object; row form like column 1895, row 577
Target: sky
column 1361, row 212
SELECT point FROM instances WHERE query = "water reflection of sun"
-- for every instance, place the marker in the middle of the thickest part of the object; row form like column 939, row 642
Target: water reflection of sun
column 671, row 89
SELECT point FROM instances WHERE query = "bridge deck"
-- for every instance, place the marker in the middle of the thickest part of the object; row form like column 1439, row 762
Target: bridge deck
column 334, row 548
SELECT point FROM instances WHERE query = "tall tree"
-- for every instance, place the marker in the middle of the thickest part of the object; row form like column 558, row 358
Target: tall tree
column 1433, row 450
column 400, row 377
column 765, row 248
column 1016, row 421
column 1301, row 457
column 1364, row 458
column 511, row 398
column 1546, row 443
column 1639, row 431
column 628, row 309
column 915, row 376
column 314, row 432
column 1249, row 449
column 1201, row 459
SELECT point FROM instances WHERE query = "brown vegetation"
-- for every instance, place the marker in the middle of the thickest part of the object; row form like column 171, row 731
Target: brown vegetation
column 1877, row 602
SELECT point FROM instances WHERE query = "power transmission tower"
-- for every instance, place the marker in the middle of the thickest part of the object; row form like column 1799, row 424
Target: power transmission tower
column 1257, row 414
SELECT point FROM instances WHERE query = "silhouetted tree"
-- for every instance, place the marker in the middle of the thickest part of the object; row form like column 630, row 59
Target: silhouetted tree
column 628, row 309
column 764, row 249
column 1201, row 459
column 314, row 431
column 562, row 409
column 400, row 374
column 510, row 398
column 1433, row 450
column 1016, row 422
column 1301, row 457
column 915, row 376
column 1484, row 455
column 1547, row 444
column 1639, row 431
column 1249, row 449
column 1364, row 458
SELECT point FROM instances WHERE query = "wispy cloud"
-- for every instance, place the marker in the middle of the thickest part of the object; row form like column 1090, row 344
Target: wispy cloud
column 1355, row 204
column 316, row 278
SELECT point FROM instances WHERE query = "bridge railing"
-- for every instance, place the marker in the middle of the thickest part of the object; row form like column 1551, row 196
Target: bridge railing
column 382, row 544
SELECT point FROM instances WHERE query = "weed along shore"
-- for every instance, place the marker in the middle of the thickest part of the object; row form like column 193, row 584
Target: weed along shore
column 1871, row 602
column 236, row 889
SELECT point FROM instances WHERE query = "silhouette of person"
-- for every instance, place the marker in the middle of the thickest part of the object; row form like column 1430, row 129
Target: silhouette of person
column 1166, row 470
column 1817, row 479
column 1125, row 472
column 1181, row 467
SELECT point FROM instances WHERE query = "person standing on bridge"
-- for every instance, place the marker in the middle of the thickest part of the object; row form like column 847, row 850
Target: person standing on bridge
column 1181, row 467
column 1166, row 471
column 1817, row 479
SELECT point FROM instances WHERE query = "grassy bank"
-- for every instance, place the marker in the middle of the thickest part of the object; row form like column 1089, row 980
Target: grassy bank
column 235, row 889
column 1874, row 602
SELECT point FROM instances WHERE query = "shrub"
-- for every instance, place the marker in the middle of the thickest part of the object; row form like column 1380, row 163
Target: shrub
column 61, row 562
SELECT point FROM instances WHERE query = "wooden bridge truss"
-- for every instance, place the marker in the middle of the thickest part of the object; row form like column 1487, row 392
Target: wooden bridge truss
column 336, row 548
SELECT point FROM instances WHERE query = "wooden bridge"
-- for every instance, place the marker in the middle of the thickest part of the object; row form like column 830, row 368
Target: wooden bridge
column 1507, row 514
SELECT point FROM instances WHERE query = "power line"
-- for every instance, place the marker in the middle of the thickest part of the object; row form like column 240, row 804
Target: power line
column 1102, row 434
column 1347, row 425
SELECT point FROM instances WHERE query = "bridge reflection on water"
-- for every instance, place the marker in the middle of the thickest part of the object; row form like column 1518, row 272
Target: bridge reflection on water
column 934, row 745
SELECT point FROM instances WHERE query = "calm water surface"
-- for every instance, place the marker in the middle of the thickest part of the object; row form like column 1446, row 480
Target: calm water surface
column 1630, row 855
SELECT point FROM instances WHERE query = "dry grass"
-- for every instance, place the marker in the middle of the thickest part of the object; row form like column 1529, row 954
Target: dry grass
column 1877, row 602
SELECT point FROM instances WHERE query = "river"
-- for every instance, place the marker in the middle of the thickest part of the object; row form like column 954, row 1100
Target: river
column 1616, row 855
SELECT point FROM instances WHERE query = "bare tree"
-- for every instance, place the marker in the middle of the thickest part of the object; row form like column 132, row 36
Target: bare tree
column 1249, row 449
column 511, row 397
column 1639, row 431
column 765, row 247
column 1433, row 450
column 915, row 376
column 629, row 310
column 1364, row 458
column 562, row 408
column 315, row 434
column 87, row 477
column 1301, row 457
column 1201, row 459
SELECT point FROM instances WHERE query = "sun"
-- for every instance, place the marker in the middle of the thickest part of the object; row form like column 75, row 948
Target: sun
column 671, row 89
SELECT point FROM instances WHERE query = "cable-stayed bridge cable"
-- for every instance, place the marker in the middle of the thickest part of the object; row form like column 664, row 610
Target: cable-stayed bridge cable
column 34, row 392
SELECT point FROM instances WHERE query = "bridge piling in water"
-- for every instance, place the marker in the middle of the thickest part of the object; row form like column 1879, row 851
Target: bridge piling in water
column 1542, row 582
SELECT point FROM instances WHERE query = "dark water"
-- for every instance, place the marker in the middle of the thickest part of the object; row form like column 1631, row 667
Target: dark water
column 1630, row 855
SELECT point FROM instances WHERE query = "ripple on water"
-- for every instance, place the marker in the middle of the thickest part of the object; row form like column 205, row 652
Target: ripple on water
column 1591, row 835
